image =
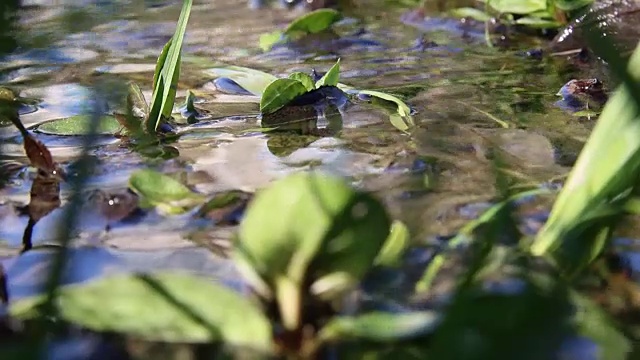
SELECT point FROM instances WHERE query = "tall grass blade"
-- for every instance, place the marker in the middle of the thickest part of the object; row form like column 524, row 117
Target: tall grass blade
column 605, row 175
column 165, row 80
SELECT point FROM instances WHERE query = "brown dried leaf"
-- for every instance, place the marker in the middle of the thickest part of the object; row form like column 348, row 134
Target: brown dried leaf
column 40, row 157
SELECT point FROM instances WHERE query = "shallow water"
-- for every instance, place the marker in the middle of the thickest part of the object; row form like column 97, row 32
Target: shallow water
column 463, row 93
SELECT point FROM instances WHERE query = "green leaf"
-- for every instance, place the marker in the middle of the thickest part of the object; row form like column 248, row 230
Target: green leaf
column 395, row 246
column 332, row 76
column 268, row 40
column 167, row 307
column 305, row 79
column 164, row 192
column 380, row 327
column 254, row 81
column 79, row 125
column 469, row 12
column 401, row 119
column 167, row 73
column 518, row 6
column 571, row 5
column 279, row 93
column 537, row 22
column 136, row 102
column 302, row 219
column 314, row 22
column 604, row 176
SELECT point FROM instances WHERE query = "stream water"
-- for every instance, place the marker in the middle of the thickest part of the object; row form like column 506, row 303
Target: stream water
column 471, row 103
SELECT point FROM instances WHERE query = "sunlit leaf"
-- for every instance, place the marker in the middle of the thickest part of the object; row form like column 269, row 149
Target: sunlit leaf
column 79, row 125
column 279, row 93
column 268, row 40
column 395, row 246
column 519, row 6
column 168, row 307
column 167, row 73
column 603, row 178
column 314, row 22
column 254, row 81
column 305, row 79
column 164, row 192
column 302, row 219
column 469, row 12
column 380, row 327
column 332, row 76
column 401, row 119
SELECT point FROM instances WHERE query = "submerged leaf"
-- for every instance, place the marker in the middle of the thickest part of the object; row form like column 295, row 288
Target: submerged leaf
column 164, row 192
column 79, row 125
column 166, row 307
column 332, row 76
column 167, row 73
column 279, row 93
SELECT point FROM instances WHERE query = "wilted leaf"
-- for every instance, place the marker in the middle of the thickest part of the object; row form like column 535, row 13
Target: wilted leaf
column 167, row 73
column 79, row 125
column 166, row 307
column 380, row 327
column 40, row 157
column 332, row 76
column 279, row 93
column 164, row 192
column 305, row 79
column 254, row 81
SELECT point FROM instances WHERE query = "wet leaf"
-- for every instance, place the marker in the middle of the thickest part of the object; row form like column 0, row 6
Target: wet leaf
column 167, row 194
column 380, row 327
column 269, row 40
column 314, row 22
column 395, row 246
column 518, row 7
column 279, row 93
column 305, row 218
column 332, row 76
column 79, row 125
column 402, row 119
column 167, row 307
column 305, row 79
column 469, row 12
column 254, row 81
column 39, row 155
column 167, row 72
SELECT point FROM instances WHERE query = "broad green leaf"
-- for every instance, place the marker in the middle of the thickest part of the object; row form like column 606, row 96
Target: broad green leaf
column 332, row 76
column 469, row 12
column 571, row 5
column 314, row 22
column 167, row 194
column 603, row 178
column 167, row 307
column 268, row 40
column 380, row 327
column 395, row 246
column 518, row 6
column 79, row 125
column 167, row 73
column 279, row 93
column 254, row 81
column 302, row 219
column 305, row 79
column 402, row 119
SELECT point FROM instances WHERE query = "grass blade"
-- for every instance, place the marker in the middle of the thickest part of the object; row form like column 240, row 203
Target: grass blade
column 167, row 72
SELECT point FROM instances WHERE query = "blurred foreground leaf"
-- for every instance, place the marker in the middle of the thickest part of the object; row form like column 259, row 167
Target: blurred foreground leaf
column 165, row 307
